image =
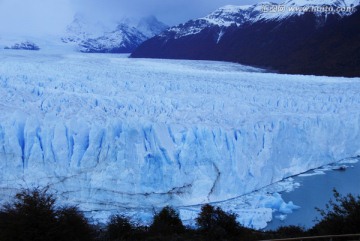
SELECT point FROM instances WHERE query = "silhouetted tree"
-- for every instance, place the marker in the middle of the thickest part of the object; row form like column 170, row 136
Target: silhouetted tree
column 217, row 224
column 73, row 225
column 33, row 217
column 166, row 222
column 290, row 231
column 119, row 228
column 341, row 216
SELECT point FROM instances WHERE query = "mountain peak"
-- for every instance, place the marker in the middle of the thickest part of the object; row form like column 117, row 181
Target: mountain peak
column 264, row 34
column 229, row 15
column 116, row 37
column 150, row 26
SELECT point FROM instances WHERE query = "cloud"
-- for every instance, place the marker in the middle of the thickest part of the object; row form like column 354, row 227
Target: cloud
column 34, row 16
column 169, row 11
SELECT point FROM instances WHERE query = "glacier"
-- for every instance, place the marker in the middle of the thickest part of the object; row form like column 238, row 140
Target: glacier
column 112, row 133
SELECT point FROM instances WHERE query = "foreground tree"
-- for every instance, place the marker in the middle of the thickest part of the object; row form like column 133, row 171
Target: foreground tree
column 72, row 225
column 34, row 216
column 341, row 216
column 120, row 228
column 290, row 231
column 167, row 222
column 217, row 224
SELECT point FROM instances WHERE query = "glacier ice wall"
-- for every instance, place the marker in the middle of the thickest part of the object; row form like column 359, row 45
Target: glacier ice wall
column 109, row 132
column 135, row 164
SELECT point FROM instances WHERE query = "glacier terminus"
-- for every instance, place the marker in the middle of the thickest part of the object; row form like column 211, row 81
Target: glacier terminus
column 113, row 133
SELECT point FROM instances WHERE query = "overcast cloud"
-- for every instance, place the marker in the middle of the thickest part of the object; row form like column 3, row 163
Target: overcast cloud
column 51, row 16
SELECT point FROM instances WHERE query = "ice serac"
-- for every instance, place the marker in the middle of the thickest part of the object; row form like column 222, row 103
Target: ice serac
column 109, row 132
column 156, row 164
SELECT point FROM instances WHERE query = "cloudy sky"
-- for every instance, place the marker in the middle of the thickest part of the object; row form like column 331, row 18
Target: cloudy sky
column 51, row 16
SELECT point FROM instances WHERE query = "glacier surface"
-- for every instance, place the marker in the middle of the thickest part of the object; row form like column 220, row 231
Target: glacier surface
column 111, row 133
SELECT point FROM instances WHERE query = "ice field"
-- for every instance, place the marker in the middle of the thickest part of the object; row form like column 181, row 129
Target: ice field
column 110, row 133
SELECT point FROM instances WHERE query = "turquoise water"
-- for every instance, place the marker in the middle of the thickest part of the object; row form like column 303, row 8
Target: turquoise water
column 316, row 191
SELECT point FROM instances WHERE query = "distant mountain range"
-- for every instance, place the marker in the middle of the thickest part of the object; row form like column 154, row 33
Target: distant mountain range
column 123, row 37
column 319, row 37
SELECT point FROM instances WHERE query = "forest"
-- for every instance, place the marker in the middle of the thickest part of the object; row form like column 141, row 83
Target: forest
column 34, row 214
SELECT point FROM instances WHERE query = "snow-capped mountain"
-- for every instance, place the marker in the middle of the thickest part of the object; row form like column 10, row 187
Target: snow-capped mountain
column 230, row 15
column 122, row 37
column 261, row 34
column 149, row 26
column 267, row 11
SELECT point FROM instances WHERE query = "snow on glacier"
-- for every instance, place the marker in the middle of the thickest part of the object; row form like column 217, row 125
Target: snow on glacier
column 111, row 133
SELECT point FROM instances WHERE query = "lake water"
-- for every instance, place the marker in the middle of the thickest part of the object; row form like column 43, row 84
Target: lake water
column 316, row 191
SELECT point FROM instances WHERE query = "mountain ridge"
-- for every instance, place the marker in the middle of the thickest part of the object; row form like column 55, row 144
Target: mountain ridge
column 248, row 35
column 121, row 37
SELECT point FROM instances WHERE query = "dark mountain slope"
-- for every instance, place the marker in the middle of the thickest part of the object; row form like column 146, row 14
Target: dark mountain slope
column 334, row 51
column 269, row 43
column 308, row 43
